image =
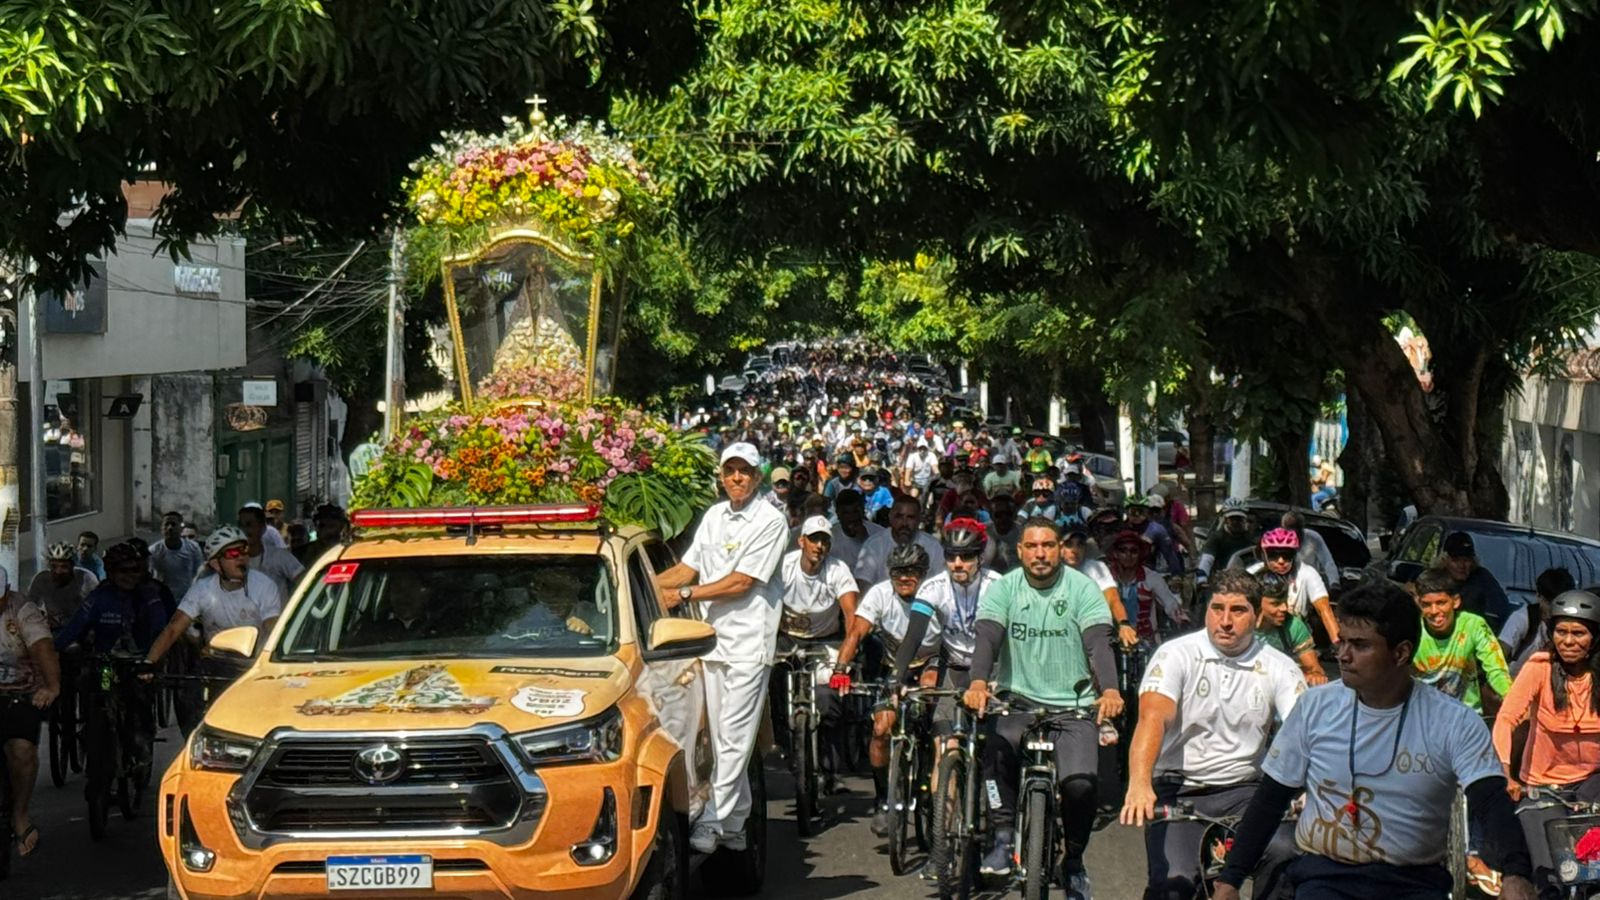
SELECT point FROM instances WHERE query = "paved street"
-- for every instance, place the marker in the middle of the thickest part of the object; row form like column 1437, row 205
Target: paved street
column 844, row 861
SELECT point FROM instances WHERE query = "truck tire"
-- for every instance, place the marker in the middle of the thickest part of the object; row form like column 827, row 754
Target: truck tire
column 740, row 873
column 665, row 872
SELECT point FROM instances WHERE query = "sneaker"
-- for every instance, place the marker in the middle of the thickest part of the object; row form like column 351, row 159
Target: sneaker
column 704, row 838
column 998, row 860
column 1078, row 886
column 880, row 822
column 735, row 841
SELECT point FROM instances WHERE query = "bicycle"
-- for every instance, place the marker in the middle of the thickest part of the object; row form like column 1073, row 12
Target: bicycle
column 910, row 770
column 5, row 794
column 65, row 725
column 117, row 763
column 1216, row 839
column 804, row 662
column 1038, row 817
column 1577, row 878
column 1131, row 663
column 959, row 826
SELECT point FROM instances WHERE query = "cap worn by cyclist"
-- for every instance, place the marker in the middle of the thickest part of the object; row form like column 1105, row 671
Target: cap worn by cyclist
column 1459, row 545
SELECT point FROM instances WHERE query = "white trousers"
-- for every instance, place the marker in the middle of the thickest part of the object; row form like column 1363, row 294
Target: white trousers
column 736, row 696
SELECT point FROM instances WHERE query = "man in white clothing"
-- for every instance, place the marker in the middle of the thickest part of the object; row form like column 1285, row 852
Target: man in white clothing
column 273, row 562
column 872, row 567
column 734, row 564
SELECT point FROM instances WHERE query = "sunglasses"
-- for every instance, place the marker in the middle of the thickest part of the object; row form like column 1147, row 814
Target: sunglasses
column 964, row 555
column 905, row 573
column 1280, row 555
column 234, row 552
column 781, row 483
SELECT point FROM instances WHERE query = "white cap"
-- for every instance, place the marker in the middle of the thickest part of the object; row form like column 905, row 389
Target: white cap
column 741, row 450
column 816, row 525
column 1073, row 469
column 1155, row 501
column 253, row 504
column 922, row 442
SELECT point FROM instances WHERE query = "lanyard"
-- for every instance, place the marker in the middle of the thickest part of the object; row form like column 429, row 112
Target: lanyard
column 1394, row 753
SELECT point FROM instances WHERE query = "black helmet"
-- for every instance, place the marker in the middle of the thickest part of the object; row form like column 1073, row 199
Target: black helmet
column 1580, row 605
column 908, row 556
column 964, row 536
column 120, row 555
column 1274, row 585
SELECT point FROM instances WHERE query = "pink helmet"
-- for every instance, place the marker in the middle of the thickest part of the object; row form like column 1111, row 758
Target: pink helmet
column 1280, row 539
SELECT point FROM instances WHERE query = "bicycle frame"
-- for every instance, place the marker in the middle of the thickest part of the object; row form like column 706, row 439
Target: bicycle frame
column 1038, row 776
column 1562, row 835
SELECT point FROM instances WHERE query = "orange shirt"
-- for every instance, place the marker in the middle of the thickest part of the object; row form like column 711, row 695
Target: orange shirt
column 1563, row 745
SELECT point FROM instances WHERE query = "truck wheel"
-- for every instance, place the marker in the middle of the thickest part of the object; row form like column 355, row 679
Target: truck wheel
column 740, row 873
column 664, row 874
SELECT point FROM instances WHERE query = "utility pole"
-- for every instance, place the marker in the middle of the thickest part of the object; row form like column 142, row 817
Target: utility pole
column 394, row 369
column 10, row 471
column 36, row 419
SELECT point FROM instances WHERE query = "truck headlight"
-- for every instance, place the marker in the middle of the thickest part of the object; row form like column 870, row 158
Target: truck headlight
column 220, row 751
column 594, row 740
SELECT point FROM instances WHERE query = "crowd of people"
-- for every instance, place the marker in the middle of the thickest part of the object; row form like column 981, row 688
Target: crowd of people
column 162, row 601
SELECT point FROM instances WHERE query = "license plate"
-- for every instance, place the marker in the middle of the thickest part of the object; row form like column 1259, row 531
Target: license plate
column 1042, row 746
column 379, row 873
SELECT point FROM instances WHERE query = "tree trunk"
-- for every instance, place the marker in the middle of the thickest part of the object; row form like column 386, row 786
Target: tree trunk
column 1353, row 460
column 1202, row 440
column 1289, row 446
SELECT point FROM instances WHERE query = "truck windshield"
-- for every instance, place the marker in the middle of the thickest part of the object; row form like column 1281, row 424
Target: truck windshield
column 473, row 606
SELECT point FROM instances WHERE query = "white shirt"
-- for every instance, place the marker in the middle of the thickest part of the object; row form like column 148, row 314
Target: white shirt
column 1100, row 574
column 271, row 538
column 1306, row 588
column 1402, row 813
column 872, row 566
column 216, row 609
column 920, row 465
column 958, row 608
column 1226, row 707
column 847, row 549
column 891, row 616
column 750, row 541
column 280, row 566
column 1515, row 631
column 811, row 602
column 176, row 568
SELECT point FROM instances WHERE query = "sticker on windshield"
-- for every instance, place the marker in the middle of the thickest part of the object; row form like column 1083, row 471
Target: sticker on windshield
column 549, row 670
column 340, row 573
column 424, row 689
column 551, row 704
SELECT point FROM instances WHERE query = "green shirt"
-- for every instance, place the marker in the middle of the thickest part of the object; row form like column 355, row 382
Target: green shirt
column 1453, row 663
column 1043, row 657
column 1292, row 638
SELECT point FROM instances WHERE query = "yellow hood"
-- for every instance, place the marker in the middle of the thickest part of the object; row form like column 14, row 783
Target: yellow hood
column 418, row 695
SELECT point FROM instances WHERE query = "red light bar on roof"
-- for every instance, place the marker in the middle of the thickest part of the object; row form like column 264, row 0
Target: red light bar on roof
column 475, row 516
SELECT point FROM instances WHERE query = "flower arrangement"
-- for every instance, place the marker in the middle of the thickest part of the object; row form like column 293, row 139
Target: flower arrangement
column 574, row 178
column 634, row 465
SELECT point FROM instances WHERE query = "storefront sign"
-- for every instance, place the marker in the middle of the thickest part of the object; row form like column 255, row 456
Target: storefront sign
column 81, row 310
column 261, row 393
column 197, row 281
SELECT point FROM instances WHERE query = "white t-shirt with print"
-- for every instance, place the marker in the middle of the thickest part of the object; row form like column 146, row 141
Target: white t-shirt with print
column 891, row 617
column 958, row 608
column 811, row 602
column 1227, row 706
column 751, row 541
column 1405, row 786
column 22, row 624
column 873, row 564
column 217, row 609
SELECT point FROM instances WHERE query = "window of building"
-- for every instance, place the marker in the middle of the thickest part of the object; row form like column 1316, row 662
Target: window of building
column 69, row 447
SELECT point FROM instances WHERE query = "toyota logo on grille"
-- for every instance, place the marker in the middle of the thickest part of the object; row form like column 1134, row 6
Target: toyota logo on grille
column 379, row 764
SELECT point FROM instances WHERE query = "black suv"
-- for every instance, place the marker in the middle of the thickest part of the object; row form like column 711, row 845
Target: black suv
column 1514, row 554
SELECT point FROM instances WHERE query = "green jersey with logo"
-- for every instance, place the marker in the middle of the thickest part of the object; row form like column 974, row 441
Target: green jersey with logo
column 1043, row 657
column 1454, row 663
column 1292, row 638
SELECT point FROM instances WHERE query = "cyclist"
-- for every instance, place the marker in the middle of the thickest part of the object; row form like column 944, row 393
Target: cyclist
column 1073, row 485
column 1528, row 629
column 872, row 567
column 237, row 596
column 30, row 680
column 1284, row 632
column 1280, row 549
column 1313, row 548
column 853, row 529
column 1207, row 703
column 1038, row 459
column 1140, row 587
column 956, row 594
column 1380, row 758
column 819, row 596
column 1555, row 694
column 1481, row 592
column 62, row 586
column 877, row 494
column 1003, row 533
column 844, row 477
column 1075, row 551
column 1457, row 649
column 128, row 611
column 1048, row 628
column 1002, row 479
column 1042, row 503
column 1142, row 512
column 888, row 610
column 1233, row 535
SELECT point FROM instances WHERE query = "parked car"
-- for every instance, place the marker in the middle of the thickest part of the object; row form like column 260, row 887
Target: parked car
column 1516, row 554
column 1345, row 541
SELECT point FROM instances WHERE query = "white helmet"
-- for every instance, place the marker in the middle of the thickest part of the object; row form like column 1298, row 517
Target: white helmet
column 222, row 539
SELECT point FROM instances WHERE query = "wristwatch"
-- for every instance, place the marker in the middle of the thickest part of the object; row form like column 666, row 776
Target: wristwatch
column 1125, row 623
column 685, row 592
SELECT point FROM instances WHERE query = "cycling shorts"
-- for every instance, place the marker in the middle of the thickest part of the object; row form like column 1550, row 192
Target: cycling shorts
column 19, row 718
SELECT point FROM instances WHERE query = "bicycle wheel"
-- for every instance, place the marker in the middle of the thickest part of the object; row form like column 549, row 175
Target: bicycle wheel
column 98, row 760
column 1036, row 844
column 902, row 794
column 803, row 761
column 60, row 764
column 922, row 813
column 1456, row 847
column 952, row 858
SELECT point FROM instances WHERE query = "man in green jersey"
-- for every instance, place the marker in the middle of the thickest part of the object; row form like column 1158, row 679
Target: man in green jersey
column 1048, row 627
column 1287, row 633
column 1457, row 648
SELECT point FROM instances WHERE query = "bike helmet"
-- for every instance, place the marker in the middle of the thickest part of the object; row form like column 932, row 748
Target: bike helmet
column 140, row 546
column 1274, row 585
column 1280, row 539
column 908, row 556
column 222, row 539
column 1129, row 538
column 1044, row 484
column 964, row 536
column 120, row 555
column 61, row 550
column 1233, row 506
column 1580, row 605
